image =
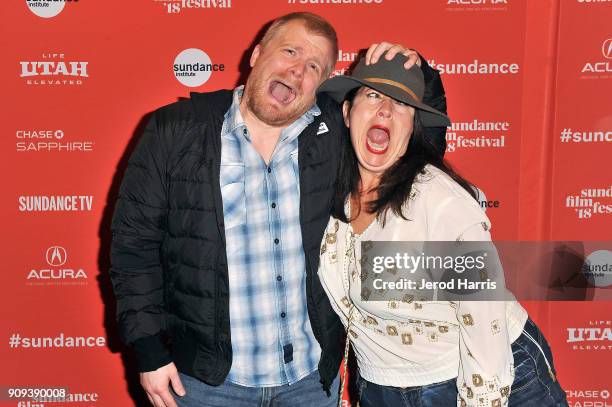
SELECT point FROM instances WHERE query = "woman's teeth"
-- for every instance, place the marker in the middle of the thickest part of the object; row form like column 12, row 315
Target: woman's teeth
column 375, row 147
column 377, row 140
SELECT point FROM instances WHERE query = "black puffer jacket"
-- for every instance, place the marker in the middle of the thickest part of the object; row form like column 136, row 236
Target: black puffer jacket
column 169, row 266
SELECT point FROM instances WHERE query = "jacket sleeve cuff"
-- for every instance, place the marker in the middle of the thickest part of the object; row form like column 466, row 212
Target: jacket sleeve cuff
column 151, row 353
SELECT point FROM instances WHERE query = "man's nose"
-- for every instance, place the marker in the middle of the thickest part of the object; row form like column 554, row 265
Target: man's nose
column 297, row 70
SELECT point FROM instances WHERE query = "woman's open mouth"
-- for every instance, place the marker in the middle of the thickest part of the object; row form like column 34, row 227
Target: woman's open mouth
column 377, row 139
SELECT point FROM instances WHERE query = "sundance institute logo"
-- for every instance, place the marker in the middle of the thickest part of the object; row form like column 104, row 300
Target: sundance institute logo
column 193, row 67
column 47, row 8
column 597, row 268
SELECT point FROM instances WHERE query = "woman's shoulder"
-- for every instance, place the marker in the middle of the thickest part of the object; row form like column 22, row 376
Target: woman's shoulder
column 445, row 203
column 439, row 185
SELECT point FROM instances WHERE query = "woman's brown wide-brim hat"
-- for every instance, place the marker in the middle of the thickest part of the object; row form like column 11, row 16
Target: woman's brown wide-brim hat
column 389, row 78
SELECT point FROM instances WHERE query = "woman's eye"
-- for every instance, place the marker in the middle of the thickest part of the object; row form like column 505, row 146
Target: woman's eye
column 397, row 102
column 373, row 95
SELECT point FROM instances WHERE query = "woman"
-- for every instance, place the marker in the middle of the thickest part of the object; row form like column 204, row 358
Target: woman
column 394, row 185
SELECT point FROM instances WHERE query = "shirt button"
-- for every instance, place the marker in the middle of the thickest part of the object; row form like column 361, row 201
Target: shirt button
column 269, row 170
column 273, row 205
column 283, row 315
column 276, row 241
column 279, row 278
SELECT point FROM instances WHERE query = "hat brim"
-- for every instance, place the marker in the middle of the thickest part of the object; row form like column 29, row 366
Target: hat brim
column 339, row 86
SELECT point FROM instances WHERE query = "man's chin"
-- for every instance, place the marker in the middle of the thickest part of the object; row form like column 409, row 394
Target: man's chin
column 277, row 116
column 278, row 119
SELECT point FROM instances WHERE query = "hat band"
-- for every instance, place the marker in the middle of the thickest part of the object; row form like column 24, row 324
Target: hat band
column 396, row 84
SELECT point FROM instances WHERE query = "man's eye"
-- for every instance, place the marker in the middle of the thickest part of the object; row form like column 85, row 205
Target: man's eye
column 314, row 67
column 290, row 51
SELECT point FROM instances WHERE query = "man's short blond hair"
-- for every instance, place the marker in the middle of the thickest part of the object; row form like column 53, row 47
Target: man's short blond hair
column 314, row 24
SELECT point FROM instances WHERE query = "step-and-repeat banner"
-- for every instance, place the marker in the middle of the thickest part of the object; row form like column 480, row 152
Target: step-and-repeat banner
column 529, row 87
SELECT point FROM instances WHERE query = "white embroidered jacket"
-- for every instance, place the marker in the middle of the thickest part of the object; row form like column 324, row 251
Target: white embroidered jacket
column 404, row 344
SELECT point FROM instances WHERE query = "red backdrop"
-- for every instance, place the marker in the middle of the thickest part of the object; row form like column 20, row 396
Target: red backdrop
column 528, row 86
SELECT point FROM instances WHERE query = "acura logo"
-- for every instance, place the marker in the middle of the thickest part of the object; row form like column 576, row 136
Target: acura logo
column 606, row 48
column 56, row 256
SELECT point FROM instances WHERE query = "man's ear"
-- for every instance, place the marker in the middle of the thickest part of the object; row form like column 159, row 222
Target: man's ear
column 255, row 55
column 346, row 108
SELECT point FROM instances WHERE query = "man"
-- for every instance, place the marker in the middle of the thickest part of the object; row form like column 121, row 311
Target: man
column 217, row 230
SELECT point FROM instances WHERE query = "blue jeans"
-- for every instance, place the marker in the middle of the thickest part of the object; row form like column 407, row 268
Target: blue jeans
column 533, row 384
column 308, row 392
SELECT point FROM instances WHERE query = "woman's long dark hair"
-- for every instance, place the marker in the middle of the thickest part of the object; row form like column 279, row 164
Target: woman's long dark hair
column 396, row 182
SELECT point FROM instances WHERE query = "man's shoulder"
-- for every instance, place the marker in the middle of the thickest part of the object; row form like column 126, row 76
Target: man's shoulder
column 182, row 107
column 199, row 105
column 331, row 115
column 327, row 104
column 216, row 102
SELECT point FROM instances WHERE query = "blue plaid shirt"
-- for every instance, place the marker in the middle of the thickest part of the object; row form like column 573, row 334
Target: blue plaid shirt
column 272, row 340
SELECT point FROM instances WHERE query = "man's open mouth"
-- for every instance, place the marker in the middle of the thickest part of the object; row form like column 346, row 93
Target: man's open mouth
column 281, row 92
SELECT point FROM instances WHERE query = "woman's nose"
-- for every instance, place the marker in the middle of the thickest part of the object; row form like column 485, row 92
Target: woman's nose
column 385, row 108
